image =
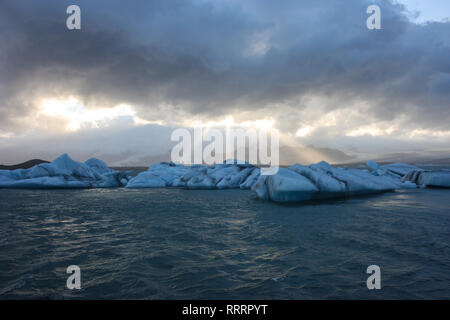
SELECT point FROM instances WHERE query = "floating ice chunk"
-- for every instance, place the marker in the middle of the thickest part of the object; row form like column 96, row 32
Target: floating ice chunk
column 223, row 172
column 251, row 179
column 289, row 186
column 44, row 183
column 195, row 173
column 201, row 182
column 439, row 179
column 164, row 174
column 395, row 170
column 63, row 172
column 435, row 179
column 196, row 177
column 260, row 188
column 362, row 182
column 146, row 180
column 412, row 176
column 372, row 165
column 408, row 185
column 178, row 183
column 399, row 168
column 234, row 180
column 319, row 181
column 64, row 165
column 98, row 165
column 12, row 174
column 218, row 176
column 285, row 186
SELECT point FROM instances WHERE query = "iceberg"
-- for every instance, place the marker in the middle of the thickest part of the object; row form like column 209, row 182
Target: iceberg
column 399, row 169
column 296, row 183
column 285, row 186
column 319, row 181
column 63, row 172
column 409, row 176
column 161, row 175
column 433, row 179
column 251, row 179
column 395, row 172
column 218, row 176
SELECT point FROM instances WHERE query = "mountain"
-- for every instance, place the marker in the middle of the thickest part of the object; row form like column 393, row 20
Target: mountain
column 288, row 156
column 24, row 165
column 310, row 154
column 429, row 157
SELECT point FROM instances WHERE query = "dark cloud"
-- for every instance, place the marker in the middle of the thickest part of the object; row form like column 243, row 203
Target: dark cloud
column 213, row 57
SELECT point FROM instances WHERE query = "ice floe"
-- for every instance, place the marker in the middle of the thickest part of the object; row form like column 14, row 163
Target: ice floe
column 319, row 181
column 440, row 179
column 394, row 172
column 294, row 184
column 218, row 176
column 63, row 172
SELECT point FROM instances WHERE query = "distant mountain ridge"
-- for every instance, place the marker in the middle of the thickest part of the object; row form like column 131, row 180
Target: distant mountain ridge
column 434, row 157
column 311, row 154
column 288, row 156
column 24, row 165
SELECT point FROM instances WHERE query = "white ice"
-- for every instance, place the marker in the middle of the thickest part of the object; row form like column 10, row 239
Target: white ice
column 319, row 181
column 409, row 176
column 395, row 172
column 440, row 179
column 295, row 184
column 285, row 186
column 218, row 176
column 63, row 172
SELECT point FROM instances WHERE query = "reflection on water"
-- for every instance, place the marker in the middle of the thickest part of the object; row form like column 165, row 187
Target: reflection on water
column 176, row 244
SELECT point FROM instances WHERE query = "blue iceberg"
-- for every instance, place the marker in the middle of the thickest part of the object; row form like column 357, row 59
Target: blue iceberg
column 63, row 172
column 218, row 176
column 319, row 181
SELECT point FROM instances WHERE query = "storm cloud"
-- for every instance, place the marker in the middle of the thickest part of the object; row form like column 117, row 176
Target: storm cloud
column 293, row 61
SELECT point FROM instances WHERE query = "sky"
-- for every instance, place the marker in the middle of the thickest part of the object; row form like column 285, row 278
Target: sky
column 423, row 11
column 137, row 70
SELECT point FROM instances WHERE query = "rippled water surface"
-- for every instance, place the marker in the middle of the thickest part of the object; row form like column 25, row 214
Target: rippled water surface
column 181, row 244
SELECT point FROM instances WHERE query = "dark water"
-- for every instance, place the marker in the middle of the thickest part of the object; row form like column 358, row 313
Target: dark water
column 177, row 244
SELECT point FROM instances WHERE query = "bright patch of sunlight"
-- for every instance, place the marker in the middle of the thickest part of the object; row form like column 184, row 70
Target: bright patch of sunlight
column 229, row 122
column 77, row 116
